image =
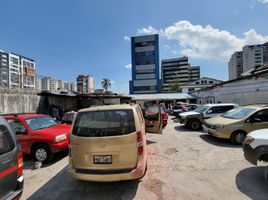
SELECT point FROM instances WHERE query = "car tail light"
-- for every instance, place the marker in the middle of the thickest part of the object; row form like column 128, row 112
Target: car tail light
column 140, row 143
column 20, row 164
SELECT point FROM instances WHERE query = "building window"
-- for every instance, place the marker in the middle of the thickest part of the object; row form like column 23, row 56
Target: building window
column 211, row 82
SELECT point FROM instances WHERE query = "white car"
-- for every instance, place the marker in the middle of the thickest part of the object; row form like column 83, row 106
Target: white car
column 255, row 148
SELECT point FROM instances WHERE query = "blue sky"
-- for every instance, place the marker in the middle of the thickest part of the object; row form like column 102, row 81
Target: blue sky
column 67, row 37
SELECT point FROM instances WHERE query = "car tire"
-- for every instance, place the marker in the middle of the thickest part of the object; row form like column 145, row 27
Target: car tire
column 266, row 174
column 195, row 124
column 238, row 137
column 42, row 153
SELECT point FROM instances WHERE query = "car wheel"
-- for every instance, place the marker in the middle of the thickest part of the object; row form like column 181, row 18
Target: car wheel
column 266, row 174
column 238, row 137
column 195, row 124
column 42, row 153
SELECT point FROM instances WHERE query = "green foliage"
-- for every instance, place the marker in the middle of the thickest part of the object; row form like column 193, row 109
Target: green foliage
column 106, row 83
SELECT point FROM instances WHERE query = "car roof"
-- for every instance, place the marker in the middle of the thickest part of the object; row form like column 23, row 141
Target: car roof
column 221, row 104
column 256, row 106
column 25, row 116
column 108, row 107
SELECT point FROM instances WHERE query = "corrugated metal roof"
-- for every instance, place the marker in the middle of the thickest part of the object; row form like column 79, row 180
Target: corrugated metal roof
column 162, row 96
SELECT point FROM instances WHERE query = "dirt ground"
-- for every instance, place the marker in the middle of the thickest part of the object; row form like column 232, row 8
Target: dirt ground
column 182, row 164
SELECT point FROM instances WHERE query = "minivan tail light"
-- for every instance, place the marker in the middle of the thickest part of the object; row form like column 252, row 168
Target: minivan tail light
column 20, row 164
column 140, row 143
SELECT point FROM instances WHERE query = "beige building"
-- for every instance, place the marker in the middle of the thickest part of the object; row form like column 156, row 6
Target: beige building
column 85, row 84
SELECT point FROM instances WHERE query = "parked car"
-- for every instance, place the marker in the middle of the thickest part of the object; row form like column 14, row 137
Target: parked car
column 237, row 123
column 164, row 115
column 108, row 143
column 255, row 146
column 11, row 163
column 68, row 117
column 194, row 119
column 177, row 109
column 39, row 135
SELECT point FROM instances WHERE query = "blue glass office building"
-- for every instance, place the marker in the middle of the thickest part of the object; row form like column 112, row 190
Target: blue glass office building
column 145, row 65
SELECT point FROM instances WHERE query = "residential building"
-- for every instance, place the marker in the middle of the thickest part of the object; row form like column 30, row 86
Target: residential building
column 46, row 83
column 145, row 65
column 54, row 84
column 85, row 84
column 27, row 72
column 4, row 69
column 235, row 65
column 73, row 87
column 178, row 71
column 245, row 60
column 199, row 84
column 252, row 56
column 38, row 83
column 14, row 71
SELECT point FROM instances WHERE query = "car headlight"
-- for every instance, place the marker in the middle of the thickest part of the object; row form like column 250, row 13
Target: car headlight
column 60, row 138
column 248, row 140
column 218, row 126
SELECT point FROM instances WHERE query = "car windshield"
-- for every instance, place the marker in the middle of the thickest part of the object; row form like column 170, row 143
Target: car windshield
column 41, row 122
column 104, row 123
column 201, row 109
column 238, row 113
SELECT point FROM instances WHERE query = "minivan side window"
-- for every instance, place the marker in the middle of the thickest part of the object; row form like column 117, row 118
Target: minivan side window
column 6, row 141
column 221, row 109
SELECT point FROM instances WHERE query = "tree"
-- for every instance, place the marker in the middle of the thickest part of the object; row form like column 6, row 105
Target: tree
column 175, row 85
column 106, row 83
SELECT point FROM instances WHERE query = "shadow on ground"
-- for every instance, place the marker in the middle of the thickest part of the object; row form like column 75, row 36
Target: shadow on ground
column 251, row 182
column 218, row 141
column 62, row 186
column 29, row 162
column 148, row 142
column 181, row 128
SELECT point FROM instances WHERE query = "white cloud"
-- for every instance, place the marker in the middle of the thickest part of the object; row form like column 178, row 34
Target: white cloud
column 112, row 82
column 127, row 38
column 205, row 42
column 149, row 30
column 128, row 66
column 263, row 1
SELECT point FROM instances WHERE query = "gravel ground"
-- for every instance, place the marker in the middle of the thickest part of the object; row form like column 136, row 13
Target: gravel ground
column 181, row 165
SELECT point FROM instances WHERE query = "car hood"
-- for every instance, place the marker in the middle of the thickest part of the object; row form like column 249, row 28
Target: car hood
column 189, row 113
column 54, row 131
column 260, row 134
column 219, row 120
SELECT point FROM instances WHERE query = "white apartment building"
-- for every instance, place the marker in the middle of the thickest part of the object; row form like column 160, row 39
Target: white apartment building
column 85, row 84
column 235, row 65
column 245, row 60
column 14, row 71
column 252, row 56
column 27, row 72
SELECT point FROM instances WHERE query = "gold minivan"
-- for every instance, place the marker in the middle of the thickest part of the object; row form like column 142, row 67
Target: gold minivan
column 237, row 123
column 108, row 143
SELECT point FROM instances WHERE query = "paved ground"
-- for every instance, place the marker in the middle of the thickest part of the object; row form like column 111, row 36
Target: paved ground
column 181, row 165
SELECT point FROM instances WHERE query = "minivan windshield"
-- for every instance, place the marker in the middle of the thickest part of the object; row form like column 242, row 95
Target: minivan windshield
column 104, row 123
column 201, row 109
column 238, row 113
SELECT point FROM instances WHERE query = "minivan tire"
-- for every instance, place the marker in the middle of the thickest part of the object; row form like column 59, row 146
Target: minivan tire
column 42, row 153
column 238, row 137
column 194, row 124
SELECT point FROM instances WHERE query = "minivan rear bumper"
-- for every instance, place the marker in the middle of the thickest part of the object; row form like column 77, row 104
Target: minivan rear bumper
column 90, row 175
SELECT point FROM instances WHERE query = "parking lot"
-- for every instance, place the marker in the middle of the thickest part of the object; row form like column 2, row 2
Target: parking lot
column 181, row 165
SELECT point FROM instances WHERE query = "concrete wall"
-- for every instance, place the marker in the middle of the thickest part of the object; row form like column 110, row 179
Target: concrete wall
column 16, row 101
column 243, row 92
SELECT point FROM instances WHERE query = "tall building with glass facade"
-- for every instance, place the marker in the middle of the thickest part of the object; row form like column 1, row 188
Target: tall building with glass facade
column 145, row 65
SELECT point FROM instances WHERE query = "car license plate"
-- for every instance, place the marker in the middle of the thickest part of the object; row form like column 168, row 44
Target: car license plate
column 103, row 159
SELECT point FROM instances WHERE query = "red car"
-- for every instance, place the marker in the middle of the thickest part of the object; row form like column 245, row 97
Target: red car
column 39, row 135
column 164, row 118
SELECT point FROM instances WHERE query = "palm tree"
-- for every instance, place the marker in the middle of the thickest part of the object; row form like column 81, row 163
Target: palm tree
column 106, row 83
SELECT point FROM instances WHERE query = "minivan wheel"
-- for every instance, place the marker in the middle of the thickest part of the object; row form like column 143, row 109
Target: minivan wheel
column 42, row 153
column 238, row 137
column 195, row 124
